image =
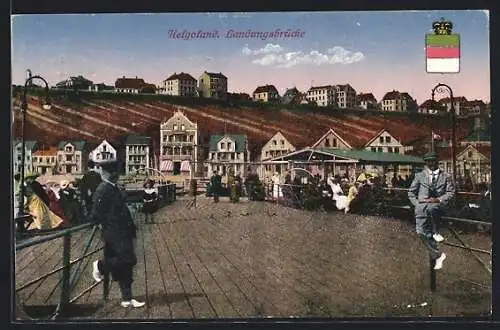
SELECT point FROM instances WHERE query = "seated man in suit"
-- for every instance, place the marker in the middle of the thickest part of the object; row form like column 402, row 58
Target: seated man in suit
column 430, row 193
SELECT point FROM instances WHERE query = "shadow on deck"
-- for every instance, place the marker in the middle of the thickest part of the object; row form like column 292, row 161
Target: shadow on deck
column 258, row 259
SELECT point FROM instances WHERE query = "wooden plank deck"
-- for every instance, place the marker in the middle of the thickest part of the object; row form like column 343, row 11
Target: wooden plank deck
column 258, row 259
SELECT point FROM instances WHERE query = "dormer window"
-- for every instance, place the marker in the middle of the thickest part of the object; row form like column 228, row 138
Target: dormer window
column 222, row 146
column 229, row 145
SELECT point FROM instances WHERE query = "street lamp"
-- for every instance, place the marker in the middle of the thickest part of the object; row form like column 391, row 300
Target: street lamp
column 24, row 108
column 440, row 88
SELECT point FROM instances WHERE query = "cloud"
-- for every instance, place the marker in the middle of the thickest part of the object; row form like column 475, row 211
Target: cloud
column 267, row 49
column 275, row 55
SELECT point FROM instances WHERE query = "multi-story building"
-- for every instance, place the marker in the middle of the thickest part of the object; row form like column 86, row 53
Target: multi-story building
column 78, row 82
column 180, row 84
column 179, row 148
column 29, row 149
column 212, row 85
column 322, row 96
column 266, row 93
column 45, row 161
column 345, row 96
column 366, row 101
column 277, row 146
column 103, row 152
column 472, row 162
column 228, row 151
column 385, row 142
column 460, row 104
column 71, row 157
column 137, row 153
column 133, row 85
column 397, row 101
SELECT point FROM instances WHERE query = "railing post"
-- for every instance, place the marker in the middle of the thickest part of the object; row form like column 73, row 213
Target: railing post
column 432, row 263
column 65, row 283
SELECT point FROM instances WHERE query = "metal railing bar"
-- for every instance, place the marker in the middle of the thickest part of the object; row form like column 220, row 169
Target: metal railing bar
column 465, row 248
column 469, row 249
column 58, row 269
column 63, row 232
column 85, row 291
column 467, row 221
column 73, row 277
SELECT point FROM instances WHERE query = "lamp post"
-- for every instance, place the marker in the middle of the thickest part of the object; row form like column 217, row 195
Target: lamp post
column 24, row 109
column 440, row 88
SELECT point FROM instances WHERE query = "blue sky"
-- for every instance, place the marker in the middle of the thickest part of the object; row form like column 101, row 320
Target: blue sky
column 373, row 51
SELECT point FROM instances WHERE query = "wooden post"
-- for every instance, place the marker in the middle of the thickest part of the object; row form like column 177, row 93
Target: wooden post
column 432, row 263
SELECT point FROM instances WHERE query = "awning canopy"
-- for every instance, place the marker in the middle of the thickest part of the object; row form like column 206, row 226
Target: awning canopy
column 185, row 166
column 332, row 155
column 166, row 166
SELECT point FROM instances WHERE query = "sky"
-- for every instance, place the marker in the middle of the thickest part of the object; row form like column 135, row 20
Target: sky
column 375, row 52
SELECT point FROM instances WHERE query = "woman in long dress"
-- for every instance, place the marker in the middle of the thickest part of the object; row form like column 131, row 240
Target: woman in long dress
column 276, row 186
column 338, row 196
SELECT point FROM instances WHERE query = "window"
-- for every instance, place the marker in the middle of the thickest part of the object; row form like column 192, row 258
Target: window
column 274, row 142
column 469, row 154
column 68, row 158
column 282, row 142
column 77, row 158
column 379, row 149
column 396, row 150
column 381, row 139
column 183, row 127
column 334, row 143
column 374, row 149
column 327, row 142
column 223, row 145
column 68, row 149
column 388, row 139
column 229, row 145
column 389, row 149
column 267, row 153
column 175, row 127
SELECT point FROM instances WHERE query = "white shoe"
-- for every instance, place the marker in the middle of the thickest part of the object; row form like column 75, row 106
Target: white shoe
column 439, row 261
column 437, row 237
column 96, row 273
column 134, row 303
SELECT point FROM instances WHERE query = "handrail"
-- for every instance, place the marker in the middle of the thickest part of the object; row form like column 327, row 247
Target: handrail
column 37, row 240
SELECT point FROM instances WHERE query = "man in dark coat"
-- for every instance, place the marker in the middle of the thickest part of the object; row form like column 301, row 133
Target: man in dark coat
column 109, row 209
column 88, row 185
column 215, row 184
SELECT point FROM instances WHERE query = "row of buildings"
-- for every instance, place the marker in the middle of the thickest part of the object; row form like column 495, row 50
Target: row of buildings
column 214, row 85
column 181, row 152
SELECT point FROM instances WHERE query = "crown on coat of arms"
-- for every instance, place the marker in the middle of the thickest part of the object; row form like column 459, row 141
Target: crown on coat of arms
column 442, row 27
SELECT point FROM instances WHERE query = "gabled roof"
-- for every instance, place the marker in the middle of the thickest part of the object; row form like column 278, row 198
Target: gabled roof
column 476, row 103
column 176, row 114
column 374, row 157
column 394, row 95
column 334, row 133
column 444, row 154
column 320, row 87
column 483, row 150
column 137, row 139
column 135, row 83
column 380, row 133
column 52, row 151
column 460, row 99
column 362, row 97
column 278, row 133
column 28, row 144
column 291, row 91
column 343, row 87
column 239, row 139
column 266, row 89
column 215, row 75
column 79, row 145
column 180, row 76
column 430, row 104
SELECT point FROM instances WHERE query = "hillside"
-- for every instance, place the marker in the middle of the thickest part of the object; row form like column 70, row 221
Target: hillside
column 94, row 119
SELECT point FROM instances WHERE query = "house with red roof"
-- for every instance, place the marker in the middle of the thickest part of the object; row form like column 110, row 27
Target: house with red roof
column 431, row 107
column 179, row 84
column 266, row 93
column 45, row 161
column 133, row 86
column 366, row 101
column 398, row 101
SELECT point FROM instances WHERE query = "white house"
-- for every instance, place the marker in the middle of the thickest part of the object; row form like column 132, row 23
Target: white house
column 228, row 151
column 278, row 145
column 180, row 84
column 179, row 145
column 345, row 95
column 71, row 157
column 137, row 153
column 322, row 96
column 104, row 151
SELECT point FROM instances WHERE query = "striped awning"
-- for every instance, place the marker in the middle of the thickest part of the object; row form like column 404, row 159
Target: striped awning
column 166, row 166
column 185, row 166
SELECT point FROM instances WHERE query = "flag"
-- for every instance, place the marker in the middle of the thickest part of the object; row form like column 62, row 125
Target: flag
column 442, row 53
column 436, row 136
